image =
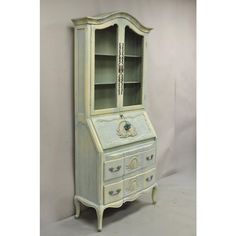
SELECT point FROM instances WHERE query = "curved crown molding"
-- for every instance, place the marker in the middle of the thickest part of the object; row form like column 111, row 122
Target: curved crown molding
column 100, row 19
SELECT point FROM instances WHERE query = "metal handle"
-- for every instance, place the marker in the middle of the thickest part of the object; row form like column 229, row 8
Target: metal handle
column 148, row 179
column 113, row 193
column 149, row 158
column 114, row 170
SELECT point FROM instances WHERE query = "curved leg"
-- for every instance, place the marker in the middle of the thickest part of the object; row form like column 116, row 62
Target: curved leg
column 77, row 207
column 100, row 217
column 154, row 195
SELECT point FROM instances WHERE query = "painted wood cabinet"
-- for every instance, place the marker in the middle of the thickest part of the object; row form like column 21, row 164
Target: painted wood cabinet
column 115, row 143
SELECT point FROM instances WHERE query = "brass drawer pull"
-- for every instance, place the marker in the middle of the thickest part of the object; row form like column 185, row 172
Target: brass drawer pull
column 149, row 158
column 148, row 179
column 113, row 170
column 114, row 193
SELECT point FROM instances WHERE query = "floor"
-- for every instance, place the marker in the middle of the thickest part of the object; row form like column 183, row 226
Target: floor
column 173, row 215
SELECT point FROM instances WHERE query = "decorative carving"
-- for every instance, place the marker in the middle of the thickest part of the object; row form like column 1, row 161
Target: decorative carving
column 123, row 132
column 97, row 20
column 133, row 164
column 133, row 185
column 121, row 69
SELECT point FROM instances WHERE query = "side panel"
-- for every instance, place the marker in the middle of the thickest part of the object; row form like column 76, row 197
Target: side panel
column 79, row 71
column 86, row 155
column 86, row 166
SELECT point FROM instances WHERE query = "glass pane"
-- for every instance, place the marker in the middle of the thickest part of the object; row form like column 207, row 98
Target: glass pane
column 132, row 94
column 106, row 41
column 105, row 96
column 105, row 68
column 133, row 68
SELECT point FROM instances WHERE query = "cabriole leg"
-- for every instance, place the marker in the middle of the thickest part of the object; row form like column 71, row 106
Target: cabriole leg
column 154, row 195
column 100, row 218
column 77, row 207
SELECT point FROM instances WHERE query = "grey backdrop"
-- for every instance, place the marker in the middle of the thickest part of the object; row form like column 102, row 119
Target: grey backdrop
column 171, row 90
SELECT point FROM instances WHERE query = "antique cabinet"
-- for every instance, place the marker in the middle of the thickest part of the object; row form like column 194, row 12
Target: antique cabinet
column 115, row 143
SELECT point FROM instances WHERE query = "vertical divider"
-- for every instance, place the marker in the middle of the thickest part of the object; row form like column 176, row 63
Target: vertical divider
column 120, row 64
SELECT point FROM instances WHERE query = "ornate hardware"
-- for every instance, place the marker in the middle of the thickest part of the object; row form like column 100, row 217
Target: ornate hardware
column 133, row 164
column 149, row 179
column 127, row 126
column 114, row 193
column 125, row 129
column 114, row 170
column 149, row 158
column 121, row 69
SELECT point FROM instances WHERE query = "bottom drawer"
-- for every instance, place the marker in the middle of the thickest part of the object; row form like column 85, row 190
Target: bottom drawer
column 149, row 178
column 113, row 192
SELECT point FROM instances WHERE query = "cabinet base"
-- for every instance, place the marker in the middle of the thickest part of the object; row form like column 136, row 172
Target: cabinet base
column 100, row 208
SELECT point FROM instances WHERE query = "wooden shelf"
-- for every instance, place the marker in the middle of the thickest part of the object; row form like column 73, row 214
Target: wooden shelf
column 105, row 55
column 132, row 82
column 112, row 83
column 129, row 55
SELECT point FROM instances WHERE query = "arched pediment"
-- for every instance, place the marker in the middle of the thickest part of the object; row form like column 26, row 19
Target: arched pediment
column 100, row 19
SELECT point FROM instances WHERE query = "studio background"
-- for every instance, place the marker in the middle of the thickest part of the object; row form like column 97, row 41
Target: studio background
column 171, row 105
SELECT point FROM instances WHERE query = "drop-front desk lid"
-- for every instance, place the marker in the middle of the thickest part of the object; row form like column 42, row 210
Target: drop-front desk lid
column 115, row 130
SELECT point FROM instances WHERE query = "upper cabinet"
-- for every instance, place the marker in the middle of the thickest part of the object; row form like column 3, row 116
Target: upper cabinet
column 116, row 62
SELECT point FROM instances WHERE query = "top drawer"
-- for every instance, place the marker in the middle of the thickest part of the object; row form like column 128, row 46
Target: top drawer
column 128, row 160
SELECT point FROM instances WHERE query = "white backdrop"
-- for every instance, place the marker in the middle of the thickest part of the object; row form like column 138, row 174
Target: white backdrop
column 171, row 90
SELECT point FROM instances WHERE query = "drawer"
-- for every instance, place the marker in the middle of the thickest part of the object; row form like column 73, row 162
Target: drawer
column 113, row 155
column 133, row 163
column 149, row 158
column 113, row 169
column 149, row 178
column 133, row 185
column 113, row 192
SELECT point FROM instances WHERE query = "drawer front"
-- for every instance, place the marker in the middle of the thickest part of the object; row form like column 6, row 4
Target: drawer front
column 149, row 158
column 113, row 192
column 113, row 169
column 133, row 185
column 133, row 163
column 149, row 178
column 113, row 155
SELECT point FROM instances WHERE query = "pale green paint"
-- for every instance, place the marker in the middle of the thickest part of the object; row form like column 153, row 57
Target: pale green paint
column 110, row 169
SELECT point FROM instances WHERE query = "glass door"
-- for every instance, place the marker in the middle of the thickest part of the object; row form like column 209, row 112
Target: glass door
column 105, row 95
column 133, row 64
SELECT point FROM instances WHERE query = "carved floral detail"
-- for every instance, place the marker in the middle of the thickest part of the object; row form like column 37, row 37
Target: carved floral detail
column 123, row 132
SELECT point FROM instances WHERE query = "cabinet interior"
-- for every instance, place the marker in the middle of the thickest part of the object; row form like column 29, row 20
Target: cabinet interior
column 133, row 68
column 106, row 41
column 105, row 67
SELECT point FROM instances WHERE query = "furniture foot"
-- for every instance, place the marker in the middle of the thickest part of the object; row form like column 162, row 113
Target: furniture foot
column 77, row 207
column 154, row 195
column 100, row 218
